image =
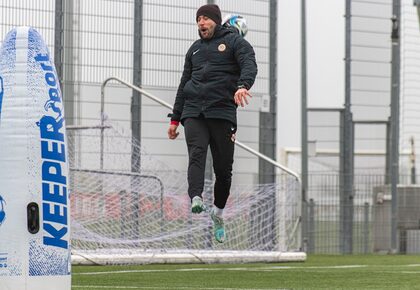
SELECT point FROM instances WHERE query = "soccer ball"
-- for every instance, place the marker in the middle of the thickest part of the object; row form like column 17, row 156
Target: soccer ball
column 237, row 21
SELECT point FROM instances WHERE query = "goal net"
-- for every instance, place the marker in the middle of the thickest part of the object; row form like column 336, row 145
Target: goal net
column 124, row 216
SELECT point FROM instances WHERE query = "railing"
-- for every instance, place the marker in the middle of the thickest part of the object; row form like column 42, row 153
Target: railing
column 167, row 105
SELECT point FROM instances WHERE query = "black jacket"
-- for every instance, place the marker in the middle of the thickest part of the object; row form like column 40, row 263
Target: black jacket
column 213, row 70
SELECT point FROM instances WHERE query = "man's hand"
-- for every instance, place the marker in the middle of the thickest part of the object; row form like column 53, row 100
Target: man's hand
column 172, row 133
column 240, row 97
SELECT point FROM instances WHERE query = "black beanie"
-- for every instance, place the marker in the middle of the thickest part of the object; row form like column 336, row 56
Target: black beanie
column 212, row 11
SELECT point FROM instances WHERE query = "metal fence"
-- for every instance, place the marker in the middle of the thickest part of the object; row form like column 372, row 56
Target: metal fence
column 145, row 42
column 371, row 221
column 353, row 153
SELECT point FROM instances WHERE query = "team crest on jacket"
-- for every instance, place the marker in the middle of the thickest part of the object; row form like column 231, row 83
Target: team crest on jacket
column 221, row 47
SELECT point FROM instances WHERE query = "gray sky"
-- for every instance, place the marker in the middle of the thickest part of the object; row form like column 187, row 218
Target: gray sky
column 325, row 67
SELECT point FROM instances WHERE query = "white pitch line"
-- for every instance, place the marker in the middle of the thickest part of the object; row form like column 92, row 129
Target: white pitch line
column 165, row 287
column 314, row 267
column 159, row 270
column 409, row 272
column 222, row 269
column 111, row 286
column 258, row 269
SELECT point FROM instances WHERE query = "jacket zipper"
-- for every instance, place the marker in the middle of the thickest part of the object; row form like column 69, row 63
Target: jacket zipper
column 205, row 75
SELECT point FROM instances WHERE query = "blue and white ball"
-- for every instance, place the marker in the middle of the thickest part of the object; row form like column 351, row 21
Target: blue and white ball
column 236, row 21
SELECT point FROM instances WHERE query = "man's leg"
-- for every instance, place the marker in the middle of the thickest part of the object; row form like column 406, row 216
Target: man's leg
column 222, row 149
column 197, row 138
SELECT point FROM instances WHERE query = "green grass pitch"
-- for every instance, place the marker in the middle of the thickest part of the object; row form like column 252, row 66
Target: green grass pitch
column 318, row 272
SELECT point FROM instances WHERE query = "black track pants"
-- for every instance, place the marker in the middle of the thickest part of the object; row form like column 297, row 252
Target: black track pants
column 199, row 134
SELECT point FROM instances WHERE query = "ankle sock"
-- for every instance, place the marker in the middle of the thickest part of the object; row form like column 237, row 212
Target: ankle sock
column 218, row 211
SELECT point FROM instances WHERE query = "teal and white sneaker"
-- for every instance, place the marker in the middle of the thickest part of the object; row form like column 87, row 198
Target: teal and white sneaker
column 197, row 205
column 218, row 227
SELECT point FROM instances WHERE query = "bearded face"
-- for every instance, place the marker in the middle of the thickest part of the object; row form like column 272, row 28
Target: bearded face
column 206, row 26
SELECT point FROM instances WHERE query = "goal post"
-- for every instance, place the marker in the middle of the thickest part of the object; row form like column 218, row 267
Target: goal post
column 123, row 217
column 185, row 257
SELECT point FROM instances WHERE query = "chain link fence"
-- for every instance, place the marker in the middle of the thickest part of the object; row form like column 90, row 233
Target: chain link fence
column 97, row 39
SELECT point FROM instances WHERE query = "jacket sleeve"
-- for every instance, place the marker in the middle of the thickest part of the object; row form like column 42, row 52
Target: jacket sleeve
column 180, row 99
column 245, row 56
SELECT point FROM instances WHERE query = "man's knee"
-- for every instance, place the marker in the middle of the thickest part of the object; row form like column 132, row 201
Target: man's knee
column 198, row 154
column 223, row 174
